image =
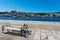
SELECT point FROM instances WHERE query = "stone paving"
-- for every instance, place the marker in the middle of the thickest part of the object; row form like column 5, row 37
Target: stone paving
column 37, row 34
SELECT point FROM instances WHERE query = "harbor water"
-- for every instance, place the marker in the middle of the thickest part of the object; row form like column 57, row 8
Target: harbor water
column 54, row 19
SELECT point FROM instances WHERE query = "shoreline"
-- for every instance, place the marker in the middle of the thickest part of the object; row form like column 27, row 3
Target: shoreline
column 30, row 20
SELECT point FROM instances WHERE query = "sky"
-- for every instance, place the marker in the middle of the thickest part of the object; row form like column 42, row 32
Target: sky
column 30, row 5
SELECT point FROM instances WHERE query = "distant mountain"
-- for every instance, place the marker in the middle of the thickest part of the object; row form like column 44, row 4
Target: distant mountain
column 29, row 14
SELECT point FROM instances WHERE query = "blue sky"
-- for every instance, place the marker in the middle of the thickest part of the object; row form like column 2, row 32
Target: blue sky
column 30, row 5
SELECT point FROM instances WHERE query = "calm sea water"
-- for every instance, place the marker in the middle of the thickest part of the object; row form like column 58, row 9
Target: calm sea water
column 54, row 19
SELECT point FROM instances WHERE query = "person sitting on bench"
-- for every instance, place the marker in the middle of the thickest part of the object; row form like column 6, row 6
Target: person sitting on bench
column 3, row 29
